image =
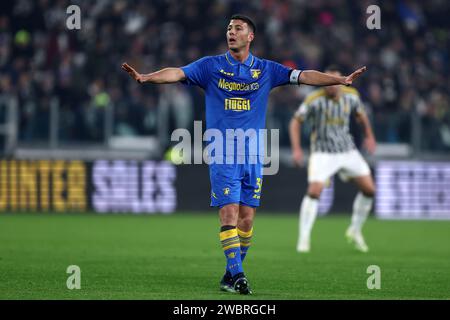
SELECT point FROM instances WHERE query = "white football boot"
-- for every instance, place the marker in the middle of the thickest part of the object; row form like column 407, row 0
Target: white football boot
column 356, row 237
column 303, row 245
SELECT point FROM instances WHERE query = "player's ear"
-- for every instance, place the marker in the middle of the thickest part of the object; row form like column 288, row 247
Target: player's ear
column 251, row 36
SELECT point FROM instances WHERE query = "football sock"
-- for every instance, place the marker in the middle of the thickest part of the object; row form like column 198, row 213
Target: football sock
column 361, row 209
column 245, row 238
column 232, row 249
column 308, row 213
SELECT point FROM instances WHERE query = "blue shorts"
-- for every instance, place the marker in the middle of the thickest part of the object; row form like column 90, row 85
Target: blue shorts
column 235, row 183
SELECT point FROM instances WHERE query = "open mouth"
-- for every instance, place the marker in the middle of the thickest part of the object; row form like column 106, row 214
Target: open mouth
column 232, row 40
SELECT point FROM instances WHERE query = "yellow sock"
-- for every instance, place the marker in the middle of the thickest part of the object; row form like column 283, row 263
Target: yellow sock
column 232, row 248
column 245, row 238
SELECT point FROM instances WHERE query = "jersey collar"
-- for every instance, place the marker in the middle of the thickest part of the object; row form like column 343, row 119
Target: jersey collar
column 248, row 62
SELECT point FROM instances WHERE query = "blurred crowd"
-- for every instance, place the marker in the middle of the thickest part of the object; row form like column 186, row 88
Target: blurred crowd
column 43, row 64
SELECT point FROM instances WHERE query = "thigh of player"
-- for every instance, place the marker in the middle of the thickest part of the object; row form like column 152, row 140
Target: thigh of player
column 322, row 166
column 225, row 184
column 354, row 166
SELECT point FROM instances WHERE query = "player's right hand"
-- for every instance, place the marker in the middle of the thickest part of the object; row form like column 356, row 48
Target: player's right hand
column 133, row 73
column 297, row 157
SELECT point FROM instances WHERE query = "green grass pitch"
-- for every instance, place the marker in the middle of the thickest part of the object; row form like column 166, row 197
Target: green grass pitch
column 179, row 257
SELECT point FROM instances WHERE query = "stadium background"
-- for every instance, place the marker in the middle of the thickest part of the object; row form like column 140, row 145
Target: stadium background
column 78, row 135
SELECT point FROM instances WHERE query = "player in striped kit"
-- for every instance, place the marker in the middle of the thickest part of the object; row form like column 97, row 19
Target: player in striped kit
column 333, row 151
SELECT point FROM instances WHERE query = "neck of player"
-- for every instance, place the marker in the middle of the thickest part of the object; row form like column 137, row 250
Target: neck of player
column 240, row 55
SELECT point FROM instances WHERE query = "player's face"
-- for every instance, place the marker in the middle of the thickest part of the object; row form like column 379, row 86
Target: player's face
column 239, row 35
column 333, row 91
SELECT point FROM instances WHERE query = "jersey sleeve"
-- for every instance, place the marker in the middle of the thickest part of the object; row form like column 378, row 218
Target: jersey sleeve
column 302, row 112
column 279, row 74
column 197, row 73
column 306, row 109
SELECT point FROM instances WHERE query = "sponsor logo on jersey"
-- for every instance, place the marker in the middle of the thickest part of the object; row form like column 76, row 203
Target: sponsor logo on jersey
column 237, row 86
column 237, row 104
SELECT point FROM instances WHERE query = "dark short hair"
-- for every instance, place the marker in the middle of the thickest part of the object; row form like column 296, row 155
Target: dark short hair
column 246, row 19
column 332, row 68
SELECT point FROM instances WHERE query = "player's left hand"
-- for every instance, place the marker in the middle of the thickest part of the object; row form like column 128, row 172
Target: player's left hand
column 132, row 72
column 370, row 144
column 349, row 79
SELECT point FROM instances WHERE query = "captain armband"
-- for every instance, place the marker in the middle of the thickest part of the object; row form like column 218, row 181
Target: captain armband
column 294, row 76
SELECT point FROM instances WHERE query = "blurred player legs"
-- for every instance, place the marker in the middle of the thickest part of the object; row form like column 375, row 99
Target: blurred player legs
column 350, row 165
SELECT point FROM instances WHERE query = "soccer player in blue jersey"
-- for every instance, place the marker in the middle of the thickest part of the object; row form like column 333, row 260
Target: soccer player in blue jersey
column 237, row 85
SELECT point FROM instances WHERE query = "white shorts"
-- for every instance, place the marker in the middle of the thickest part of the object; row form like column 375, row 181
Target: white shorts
column 322, row 166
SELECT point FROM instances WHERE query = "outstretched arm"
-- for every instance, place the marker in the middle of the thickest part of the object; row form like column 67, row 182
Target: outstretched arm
column 167, row 75
column 316, row 78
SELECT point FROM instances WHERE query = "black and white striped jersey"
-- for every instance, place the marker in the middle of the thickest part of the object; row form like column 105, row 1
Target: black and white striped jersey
column 330, row 119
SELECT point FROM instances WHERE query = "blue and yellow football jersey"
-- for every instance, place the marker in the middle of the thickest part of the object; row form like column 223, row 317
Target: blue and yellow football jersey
column 236, row 96
column 236, row 93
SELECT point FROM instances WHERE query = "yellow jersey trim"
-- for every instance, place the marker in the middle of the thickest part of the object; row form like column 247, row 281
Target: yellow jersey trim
column 314, row 95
